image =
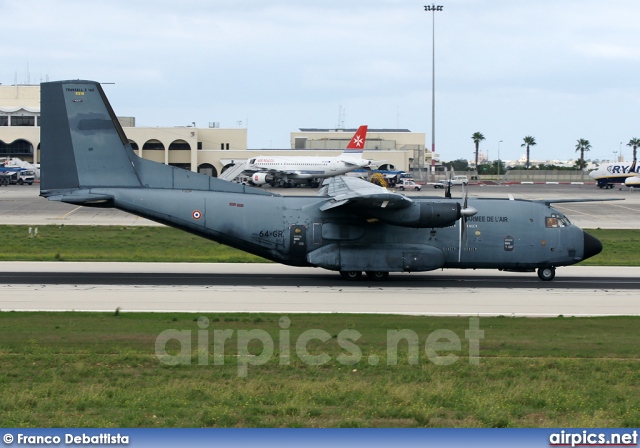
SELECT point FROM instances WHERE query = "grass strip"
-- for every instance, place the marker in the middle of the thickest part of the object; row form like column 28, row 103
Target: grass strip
column 165, row 244
column 101, row 370
column 115, row 243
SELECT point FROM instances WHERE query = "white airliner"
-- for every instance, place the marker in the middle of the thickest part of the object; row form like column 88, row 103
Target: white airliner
column 284, row 171
column 609, row 174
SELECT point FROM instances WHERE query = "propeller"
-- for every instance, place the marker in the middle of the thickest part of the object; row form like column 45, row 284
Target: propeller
column 465, row 213
column 447, row 192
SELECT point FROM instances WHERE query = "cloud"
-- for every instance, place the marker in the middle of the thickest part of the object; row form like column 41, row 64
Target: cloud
column 555, row 70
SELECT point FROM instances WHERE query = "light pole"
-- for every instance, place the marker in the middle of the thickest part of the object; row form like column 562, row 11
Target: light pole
column 620, row 149
column 433, row 9
column 499, row 159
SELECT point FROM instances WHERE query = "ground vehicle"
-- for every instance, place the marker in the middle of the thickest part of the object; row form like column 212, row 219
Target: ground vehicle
column 26, row 177
column 18, row 175
column 459, row 180
column 408, row 184
column 455, row 180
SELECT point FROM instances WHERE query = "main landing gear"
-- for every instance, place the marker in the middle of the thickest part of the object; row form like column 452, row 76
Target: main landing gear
column 547, row 274
column 372, row 275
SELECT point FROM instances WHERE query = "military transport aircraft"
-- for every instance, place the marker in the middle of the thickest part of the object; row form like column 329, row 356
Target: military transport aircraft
column 351, row 226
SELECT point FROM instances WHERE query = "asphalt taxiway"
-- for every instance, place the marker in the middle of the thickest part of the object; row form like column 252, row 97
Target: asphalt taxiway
column 273, row 288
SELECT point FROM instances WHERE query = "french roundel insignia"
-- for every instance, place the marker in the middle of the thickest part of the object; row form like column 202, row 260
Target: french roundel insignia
column 197, row 214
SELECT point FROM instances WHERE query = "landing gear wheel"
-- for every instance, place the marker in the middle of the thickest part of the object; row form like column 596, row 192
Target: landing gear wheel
column 546, row 274
column 377, row 275
column 351, row 275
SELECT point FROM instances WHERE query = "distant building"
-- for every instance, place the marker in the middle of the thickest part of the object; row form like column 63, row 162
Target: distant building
column 207, row 150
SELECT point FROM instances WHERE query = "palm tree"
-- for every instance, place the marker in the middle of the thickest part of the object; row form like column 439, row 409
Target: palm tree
column 582, row 146
column 528, row 141
column 477, row 138
column 634, row 143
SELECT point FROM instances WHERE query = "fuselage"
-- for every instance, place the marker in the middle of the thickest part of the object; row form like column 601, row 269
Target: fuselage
column 308, row 167
column 292, row 230
column 627, row 173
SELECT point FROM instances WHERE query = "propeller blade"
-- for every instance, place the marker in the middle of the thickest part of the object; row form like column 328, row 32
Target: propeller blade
column 466, row 210
column 465, row 194
column 465, row 213
column 463, row 223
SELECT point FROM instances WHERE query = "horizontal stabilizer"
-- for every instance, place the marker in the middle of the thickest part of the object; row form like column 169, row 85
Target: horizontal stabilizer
column 83, row 198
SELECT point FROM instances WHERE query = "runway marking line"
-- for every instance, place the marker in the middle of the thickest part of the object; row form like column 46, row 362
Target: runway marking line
column 626, row 208
column 66, row 215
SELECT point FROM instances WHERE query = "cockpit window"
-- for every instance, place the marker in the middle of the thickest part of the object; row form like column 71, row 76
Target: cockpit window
column 557, row 220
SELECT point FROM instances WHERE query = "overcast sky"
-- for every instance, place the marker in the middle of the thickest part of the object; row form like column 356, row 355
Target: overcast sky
column 556, row 70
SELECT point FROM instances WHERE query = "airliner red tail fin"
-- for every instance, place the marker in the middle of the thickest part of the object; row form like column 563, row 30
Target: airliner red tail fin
column 356, row 145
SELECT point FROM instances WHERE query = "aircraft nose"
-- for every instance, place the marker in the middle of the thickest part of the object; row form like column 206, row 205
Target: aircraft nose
column 592, row 246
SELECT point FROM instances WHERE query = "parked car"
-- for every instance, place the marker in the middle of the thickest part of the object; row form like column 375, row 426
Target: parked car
column 459, row 180
column 455, row 180
column 408, row 184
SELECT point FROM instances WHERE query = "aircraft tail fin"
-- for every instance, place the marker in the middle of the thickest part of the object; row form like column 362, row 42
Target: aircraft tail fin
column 84, row 147
column 356, row 145
column 82, row 142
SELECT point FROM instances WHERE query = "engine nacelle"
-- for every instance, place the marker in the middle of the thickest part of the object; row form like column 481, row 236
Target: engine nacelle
column 632, row 181
column 421, row 215
column 261, row 178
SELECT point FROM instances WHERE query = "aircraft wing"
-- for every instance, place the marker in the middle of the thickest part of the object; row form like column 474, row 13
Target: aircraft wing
column 568, row 201
column 353, row 162
column 344, row 190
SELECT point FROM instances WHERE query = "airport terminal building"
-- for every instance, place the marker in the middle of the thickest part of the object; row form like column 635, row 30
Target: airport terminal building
column 206, row 150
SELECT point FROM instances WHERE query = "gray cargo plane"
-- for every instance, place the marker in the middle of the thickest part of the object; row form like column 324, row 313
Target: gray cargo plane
column 351, row 226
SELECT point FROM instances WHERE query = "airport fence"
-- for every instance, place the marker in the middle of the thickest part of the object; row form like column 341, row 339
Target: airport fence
column 534, row 176
column 546, row 176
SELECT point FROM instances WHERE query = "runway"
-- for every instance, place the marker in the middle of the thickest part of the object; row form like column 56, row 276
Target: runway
column 272, row 288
